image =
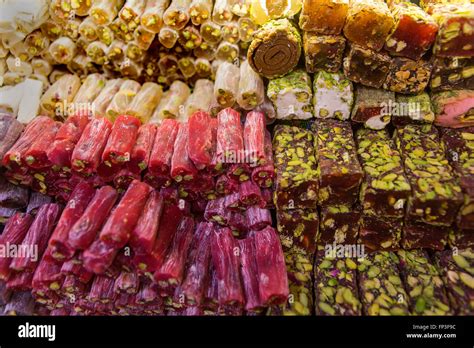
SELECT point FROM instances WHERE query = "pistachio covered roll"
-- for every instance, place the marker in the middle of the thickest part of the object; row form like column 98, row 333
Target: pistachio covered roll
column 168, row 37
column 120, row 102
column 222, row 12
column 81, row 65
column 61, row 93
column 90, row 89
column 105, row 34
column 177, row 14
column 333, row 96
column 145, row 102
column 18, row 66
column 187, row 67
column 230, row 32
column 152, row 18
column 97, row 52
column 132, row 10
column 88, row 29
column 291, row 95
column 203, row 67
column 51, row 29
column 190, row 37
column 205, row 50
column 116, row 51
column 63, row 50
column 105, row 96
column 201, row 98
column 103, row 12
column 36, row 42
column 133, row 51
column 251, row 89
column 211, row 32
column 200, row 11
column 226, row 85
column 172, row 103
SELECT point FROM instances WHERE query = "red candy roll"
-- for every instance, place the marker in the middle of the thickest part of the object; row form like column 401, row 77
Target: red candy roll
column 226, row 185
column 171, row 273
column 264, row 174
column 37, row 237
column 182, row 168
column 250, row 194
column 215, row 167
column 36, row 156
column 123, row 179
column 250, row 280
column 230, row 141
column 141, row 151
column 160, row 158
column 201, row 143
column 170, row 219
column 13, row 158
column 271, row 267
column 121, row 222
column 258, row 218
column 121, row 140
column 77, row 204
column 47, row 276
column 226, row 264
column 85, row 229
column 99, row 257
column 197, row 275
column 88, row 151
column 144, row 234
column 254, row 138
column 75, row 268
column 60, row 151
column 13, row 234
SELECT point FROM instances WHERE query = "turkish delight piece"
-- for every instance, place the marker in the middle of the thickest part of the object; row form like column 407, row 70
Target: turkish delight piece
column 275, row 49
column 408, row 76
column 366, row 66
column 298, row 229
column 333, row 96
column 323, row 16
column 226, row 185
column 335, row 284
column 323, row 52
column 21, row 303
column 193, row 285
column 368, row 23
column 47, row 275
column 201, row 144
column 461, row 238
column 141, row 151
column 230, row 140
column 12, row 196
column 37, row 237
column 216, row 211
column 452, row 73
column 249, row 272
column 226, row 84
column 425, row 288
column 456, row 272
column 170, row 274
column 122, row 220
column 98, row 257
column 60, row 94
column 226, row 264
column 10, row 130
column 385, row 188
column 78, row 202
column 254, row 138
column 257, row 218
column 201, row 98
column 75, row 269
column 102, row 101
column 436, row 195
column 296, row 183
column 414, row 31
column 36, row 156
column 36, row 201
column 339, row 224
column 60, row 151
column 182, row 168
column 460, row 154
column 89, row 90
column 380, row 286
column 251, row 92
column 85, row 230
column 14, row 157
column 412, row 109
column 340, row 173
column 264, row 174
column 423, row 235
column 381, row 232
column 455, row 35
column 454, row 109
column 372, row 107
column 88, row 151
column 122, row 99
column 14, row 232
column 145, row 102
column 291, row 95
column 145, row 232
column 162, row 152
column 249, row 194
column 121, row 140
